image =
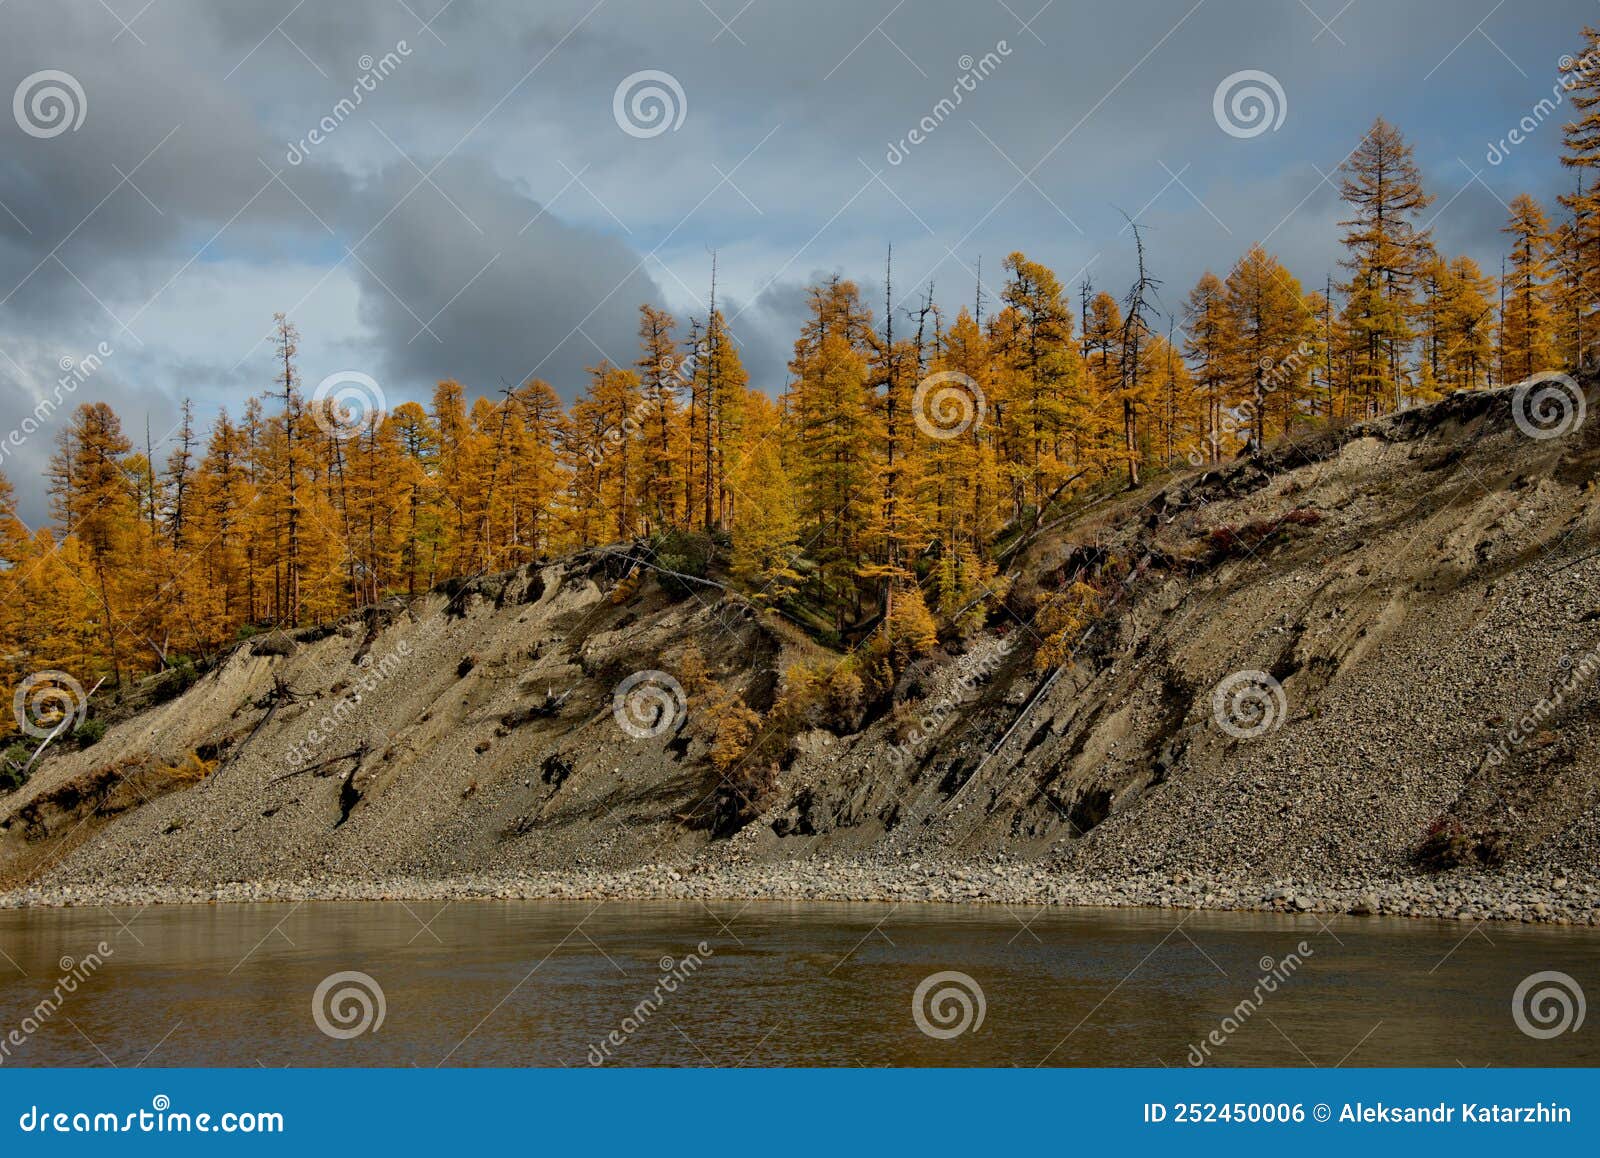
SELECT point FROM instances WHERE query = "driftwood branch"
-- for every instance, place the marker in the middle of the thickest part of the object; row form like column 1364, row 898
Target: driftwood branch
column 1038, row 517
column 280, row 692
column 656, row 567
column 56, row 731
column 1584, row 558
column 356, row 755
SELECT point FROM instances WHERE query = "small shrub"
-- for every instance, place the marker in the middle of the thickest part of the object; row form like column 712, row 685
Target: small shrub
column 555, row 770
column 12, row 761
column 1064, row 616
column 845, row 695
column 799, row 694
column 832, row 694
column 89, row 733
column 910, row 627
column 747, row 782
column 192, row 769
column 627, row 587
column 275, row 643
column 1447, row 845
column 1229, row 541
column 693, row 672
column 745, row 794
column 167, row 685
column 687, row 553
column 737, row 725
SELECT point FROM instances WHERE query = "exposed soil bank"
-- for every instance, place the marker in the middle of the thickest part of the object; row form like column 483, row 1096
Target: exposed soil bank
column 1423, row 591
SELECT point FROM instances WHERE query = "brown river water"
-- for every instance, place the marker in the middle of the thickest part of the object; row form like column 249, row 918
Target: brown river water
column 538, row 983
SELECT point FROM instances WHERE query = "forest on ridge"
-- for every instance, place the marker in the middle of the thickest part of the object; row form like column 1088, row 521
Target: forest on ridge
column 870, row 497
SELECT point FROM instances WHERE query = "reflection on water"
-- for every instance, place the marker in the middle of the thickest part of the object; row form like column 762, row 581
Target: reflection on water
column 548, row 983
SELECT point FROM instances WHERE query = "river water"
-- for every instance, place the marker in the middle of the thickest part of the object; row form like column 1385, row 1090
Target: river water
column 769, row 983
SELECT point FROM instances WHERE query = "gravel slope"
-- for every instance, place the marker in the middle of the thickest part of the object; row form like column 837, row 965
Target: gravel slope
column 1414, row 586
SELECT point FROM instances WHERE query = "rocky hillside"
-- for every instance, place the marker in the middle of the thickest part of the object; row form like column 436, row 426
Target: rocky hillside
column 1368, row 653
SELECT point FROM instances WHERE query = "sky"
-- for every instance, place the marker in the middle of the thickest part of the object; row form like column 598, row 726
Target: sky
column 515, row 179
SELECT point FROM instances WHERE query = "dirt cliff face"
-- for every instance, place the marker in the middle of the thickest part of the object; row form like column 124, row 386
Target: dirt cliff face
column 1372, row 651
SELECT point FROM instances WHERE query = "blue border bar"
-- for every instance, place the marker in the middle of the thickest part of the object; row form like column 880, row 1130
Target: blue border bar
column 813, row 1113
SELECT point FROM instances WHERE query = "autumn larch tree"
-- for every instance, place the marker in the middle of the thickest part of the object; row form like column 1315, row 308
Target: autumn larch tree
column 659, row 368
column 1527, row 330
column 101, row 510
column 1268, row 319
column 1385, row 254
column 1208, row 340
